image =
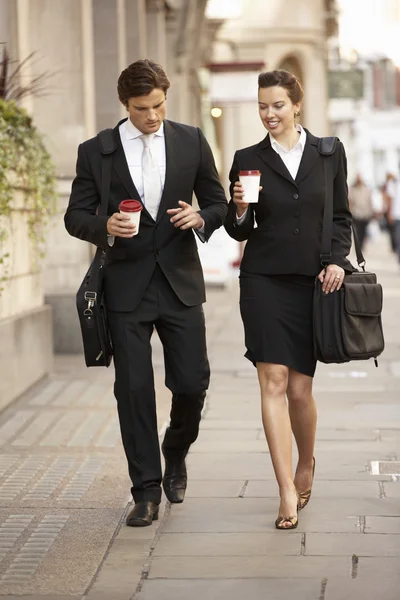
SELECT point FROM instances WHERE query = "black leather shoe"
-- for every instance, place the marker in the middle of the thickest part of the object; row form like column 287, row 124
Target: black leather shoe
column 142, row 514
column 175, row 481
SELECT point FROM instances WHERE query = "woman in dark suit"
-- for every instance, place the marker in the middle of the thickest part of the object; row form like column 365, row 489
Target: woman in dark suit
column 280, row 262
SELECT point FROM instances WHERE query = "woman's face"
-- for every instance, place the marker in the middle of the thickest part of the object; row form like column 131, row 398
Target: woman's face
column 276, row 110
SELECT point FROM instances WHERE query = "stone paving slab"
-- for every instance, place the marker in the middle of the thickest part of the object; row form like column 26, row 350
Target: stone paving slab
column 312, row 567
column 214, row 489
column 382, row 525
column 227, row 435
column 321, row 489
column 342, row 544
column 200, row 515
column 257, row 466
column 355, row 435
column 333, row 397
column 389, row 434
column 237, row 412
column 351, row 507
column 378, row 567
column 370, row 589
column 229, row 446
column 231, row 589
column 392, row 490
column 229, row 425
column 347, row 447
column 228, row 544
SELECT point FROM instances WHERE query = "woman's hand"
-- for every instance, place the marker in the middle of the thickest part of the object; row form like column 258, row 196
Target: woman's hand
column 331, row 278
column 238, row 195
column 238, row 198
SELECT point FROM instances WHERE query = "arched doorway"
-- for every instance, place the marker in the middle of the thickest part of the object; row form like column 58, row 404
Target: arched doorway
column 292, row 64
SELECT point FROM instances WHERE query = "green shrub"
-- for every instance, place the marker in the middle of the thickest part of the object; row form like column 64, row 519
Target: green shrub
column 24, row 164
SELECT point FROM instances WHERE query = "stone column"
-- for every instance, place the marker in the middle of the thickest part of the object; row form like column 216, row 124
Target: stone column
column 62, row 34
column 156, row 31
column 5, row 22
column 136, row 30
column 88, row 81
column 107, row 61
column 24, row 46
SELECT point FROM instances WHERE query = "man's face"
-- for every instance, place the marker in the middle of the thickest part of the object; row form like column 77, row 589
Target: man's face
column 148, row 112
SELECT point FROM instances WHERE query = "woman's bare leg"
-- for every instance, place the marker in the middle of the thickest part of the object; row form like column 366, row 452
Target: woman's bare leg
column 275, row 415
column 303, row 417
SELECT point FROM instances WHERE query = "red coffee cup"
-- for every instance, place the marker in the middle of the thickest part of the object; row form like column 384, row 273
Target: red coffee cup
column 132, row 208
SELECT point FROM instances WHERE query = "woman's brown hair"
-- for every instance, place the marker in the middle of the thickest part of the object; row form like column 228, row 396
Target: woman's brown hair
column 282, row 79
column 140, row 79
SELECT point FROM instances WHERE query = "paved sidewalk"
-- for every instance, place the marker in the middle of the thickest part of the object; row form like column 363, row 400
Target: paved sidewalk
column 64, row 489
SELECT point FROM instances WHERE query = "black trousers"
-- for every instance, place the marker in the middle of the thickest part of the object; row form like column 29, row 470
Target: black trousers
column 182, row 333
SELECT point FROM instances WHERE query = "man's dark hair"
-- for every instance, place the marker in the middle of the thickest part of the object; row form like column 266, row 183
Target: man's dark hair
column 140, row 79
column 282, row 79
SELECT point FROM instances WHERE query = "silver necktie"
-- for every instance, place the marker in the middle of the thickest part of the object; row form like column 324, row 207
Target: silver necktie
column 151, row 177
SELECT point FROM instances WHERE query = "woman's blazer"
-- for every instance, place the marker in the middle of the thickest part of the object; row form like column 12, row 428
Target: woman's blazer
column 284, row 229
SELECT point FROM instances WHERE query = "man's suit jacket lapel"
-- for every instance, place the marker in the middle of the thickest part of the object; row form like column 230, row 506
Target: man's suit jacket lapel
column 172, row 169
column 121, row 168
column 273, row 160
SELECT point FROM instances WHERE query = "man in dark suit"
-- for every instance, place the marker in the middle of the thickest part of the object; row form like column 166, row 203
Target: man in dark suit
column 153, row 276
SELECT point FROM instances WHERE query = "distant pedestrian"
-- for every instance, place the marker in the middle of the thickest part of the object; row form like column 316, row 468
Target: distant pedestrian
column 280, row 262
column 388, row 192
column 393, row 191
column 360, row 199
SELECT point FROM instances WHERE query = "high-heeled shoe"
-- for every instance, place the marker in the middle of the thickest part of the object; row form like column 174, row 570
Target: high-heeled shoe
column 294, row 521
column 305, row 496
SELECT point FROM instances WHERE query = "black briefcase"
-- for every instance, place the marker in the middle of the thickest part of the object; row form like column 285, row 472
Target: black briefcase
column 93, row 315
column 347, row 325
column 90, row 301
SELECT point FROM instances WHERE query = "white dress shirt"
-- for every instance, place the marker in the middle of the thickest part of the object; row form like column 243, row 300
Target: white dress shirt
column 133, row 148
column 291, row 158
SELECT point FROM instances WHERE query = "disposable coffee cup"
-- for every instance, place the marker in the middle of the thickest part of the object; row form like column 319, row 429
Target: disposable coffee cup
column 250, row 181
column 132, row 208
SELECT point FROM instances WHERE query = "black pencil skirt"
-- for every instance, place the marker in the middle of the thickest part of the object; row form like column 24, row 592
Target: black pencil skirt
column 277, row 317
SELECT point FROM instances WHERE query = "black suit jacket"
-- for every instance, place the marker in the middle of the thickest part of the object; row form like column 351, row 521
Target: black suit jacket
column 130, row 262
column 289, row 212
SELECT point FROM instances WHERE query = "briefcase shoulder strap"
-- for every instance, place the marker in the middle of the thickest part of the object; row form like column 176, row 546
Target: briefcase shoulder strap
column 107, row 141
column 107, row 146
column 327, row 145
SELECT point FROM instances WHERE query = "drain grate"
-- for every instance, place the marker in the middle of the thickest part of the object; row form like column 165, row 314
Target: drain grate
column 385, row 467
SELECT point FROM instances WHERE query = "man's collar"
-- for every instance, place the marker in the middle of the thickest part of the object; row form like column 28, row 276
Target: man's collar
column 300, row 144
column 133, row 132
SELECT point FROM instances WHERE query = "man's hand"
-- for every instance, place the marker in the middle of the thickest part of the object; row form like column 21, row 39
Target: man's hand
column 120, row 225
column 185, row 217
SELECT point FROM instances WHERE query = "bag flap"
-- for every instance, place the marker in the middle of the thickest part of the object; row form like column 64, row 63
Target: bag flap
column 363, row 299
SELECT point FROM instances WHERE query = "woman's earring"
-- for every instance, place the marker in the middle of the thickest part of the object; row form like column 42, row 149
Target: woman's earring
column 297, row 114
